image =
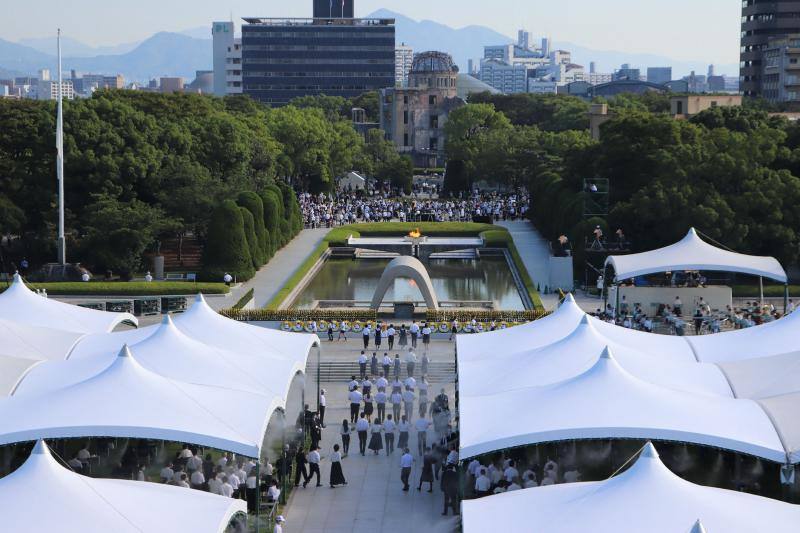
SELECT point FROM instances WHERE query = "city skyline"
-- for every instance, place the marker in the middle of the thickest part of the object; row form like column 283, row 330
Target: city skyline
column 576, row 21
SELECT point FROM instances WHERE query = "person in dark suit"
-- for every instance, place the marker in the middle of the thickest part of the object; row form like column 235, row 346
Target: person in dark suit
column 300, row 461
column 450, row 489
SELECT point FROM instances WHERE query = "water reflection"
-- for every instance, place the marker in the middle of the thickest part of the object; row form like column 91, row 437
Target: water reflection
column 488, row 278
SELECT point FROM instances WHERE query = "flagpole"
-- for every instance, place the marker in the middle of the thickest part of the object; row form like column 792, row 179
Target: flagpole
column 62, row 249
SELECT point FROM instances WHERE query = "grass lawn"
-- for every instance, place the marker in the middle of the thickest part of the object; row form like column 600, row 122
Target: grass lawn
column 122, row 288
column 775, row 291
column 494, row 236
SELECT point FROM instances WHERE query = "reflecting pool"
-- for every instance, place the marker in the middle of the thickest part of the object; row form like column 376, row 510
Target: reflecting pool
column 488, row 279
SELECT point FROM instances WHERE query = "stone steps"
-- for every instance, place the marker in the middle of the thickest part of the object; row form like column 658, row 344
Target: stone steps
column 438, row 372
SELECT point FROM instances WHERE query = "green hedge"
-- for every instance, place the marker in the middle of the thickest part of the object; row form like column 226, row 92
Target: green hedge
column 122, row 288
column 293, row 315
column 244, row 300
column 226, row 245
column 464, row 316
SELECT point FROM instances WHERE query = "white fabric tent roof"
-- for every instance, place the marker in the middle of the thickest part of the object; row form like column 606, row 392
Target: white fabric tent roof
column 783, row 410
column 646, row 497
column 558, row 325
column 19, row 304
column 127, row 400
column 577, row 353
column 764, row 377
column 773, row 338
column 608, row 402
column 32, row 342
column 693, row 253
column 42, row 495
column 12, row 371
column 204, row 324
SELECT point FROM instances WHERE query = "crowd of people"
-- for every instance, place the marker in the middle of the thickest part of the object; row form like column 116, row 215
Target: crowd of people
column 329, row 210
column 507, row 474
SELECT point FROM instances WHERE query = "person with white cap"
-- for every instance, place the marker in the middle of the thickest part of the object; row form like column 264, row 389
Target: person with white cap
column 279, row 521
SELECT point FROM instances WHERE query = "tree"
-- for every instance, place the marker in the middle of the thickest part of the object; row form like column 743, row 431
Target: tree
column 369, row 102
column 478, row 135
column 399, row 171
column 250, row 236
column 226, row 249
column 252, row 202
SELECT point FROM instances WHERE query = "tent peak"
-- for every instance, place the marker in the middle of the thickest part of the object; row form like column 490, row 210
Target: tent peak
column 649, row 451
column 167, row 320
column 125, row 351
column 698, row 527
column 584, row 320
column 199, row 298
column 40, row 448
column 607, row 354
column 569, row 298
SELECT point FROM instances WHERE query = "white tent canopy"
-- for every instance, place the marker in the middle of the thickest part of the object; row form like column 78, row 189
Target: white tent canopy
column 127, row 400
column 42, row 495
column 693, row 253
column 12, row 371
column 606, row 402
column 646, row 497
column 172, row 354
column 19, row 304
column 558, row 325
column 577, row 353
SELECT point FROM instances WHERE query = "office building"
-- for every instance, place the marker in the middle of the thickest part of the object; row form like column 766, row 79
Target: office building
column 48, row 90
column 508, row 79
column 660, row 75
column 403, row 57
column 625, row 72
column 716, row 84
column 780, row 75
column 334, row 9
column 284, row 59
column 596, row 78
column 414, row 117
column 692, row 104
column 762, row 21
column 523, row 39
column 223, row 36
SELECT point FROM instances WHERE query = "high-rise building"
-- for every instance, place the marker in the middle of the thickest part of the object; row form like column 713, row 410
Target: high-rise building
column 286, row 58
column 48, row 90
column 627, row 73
column 592, row 67
column 780, row 75
column 660, row 75
column 762, row 21
column 403, row 57
column 223, row 37
column 342, row 9
column 523, row 39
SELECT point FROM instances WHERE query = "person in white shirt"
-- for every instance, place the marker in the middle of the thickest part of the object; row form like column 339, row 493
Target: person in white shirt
column 273, row 492
column 513, row 486
column 426, row 336
column 408, row 402
column 337, row 474
column 365, row 334
column 182, row 482
column 251, row 490
column 397, row 401
column 511, row 472
column 279, row 521
column 380, row 401
column 198, row 480
column 353, row 383
column 473, row 468
column 387, row 365
column 362, row 427
column 388, row 434
column 313, row 467
column 530, row 481
column 403, row 427
column 84, row 455
column 355, row 398
column 414, row 331
column 410, row 383
column 366, row 386
column 382, row 382
column 482, row 483
column 411, row 360
column 223, row 461
column 391, row 332
column 452, row 457
column 572, row 476
column 167, row 473
column 406, row 462
column 77, row 465
column 186, row 453
column 194, row 463
column 215, row 485
column 362, row 364
column 422, row 425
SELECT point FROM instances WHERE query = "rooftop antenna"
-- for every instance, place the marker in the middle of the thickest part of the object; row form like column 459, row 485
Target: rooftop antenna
column 62, row 248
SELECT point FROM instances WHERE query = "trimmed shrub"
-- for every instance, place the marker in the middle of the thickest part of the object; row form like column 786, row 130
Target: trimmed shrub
column 252, row 202
column 226, row 245
column 455, row 178
column 250, row 236
column 272, row 216
column 291, row 209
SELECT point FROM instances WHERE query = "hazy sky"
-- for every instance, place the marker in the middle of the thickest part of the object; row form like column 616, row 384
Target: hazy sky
column 682, row 29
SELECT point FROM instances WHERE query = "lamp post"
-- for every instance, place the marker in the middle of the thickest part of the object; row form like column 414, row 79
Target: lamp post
column 62, row 249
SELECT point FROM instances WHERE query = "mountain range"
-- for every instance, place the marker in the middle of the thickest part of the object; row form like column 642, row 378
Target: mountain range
column 183, row 53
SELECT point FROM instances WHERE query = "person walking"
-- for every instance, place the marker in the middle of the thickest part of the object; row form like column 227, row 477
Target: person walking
column 300, row 462
column 345, row 430
column 330, row 331
column 423, row 397
column 380, row 401
column 322, row 403
column 388, row 434
column 390, row 333
column 397, row 366
column 450, row 489
column 368, row 407
column 387, row 365
column 406, row 462
column 355, row 404
column 373, row 364
column 337, row 474
column 408, row 402
column 426, row 476
column 362, row 428
column 385, row 335
column 403, row 336
column 362, row 365
column 453, row 329
column 414, row 331
column 426, row 336
column 313, row 467
column 365, row 333
column 411, row 361
column 425, row 363
column 378, row 336
column 422, row 425
column 375, row 440
column 397, row 401
column 279, row 521
column 342, row 333
column 402, row 427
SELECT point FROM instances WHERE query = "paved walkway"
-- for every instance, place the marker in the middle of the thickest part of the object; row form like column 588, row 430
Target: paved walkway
column 533, row 249
column 272, row 276
column 373, row 500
